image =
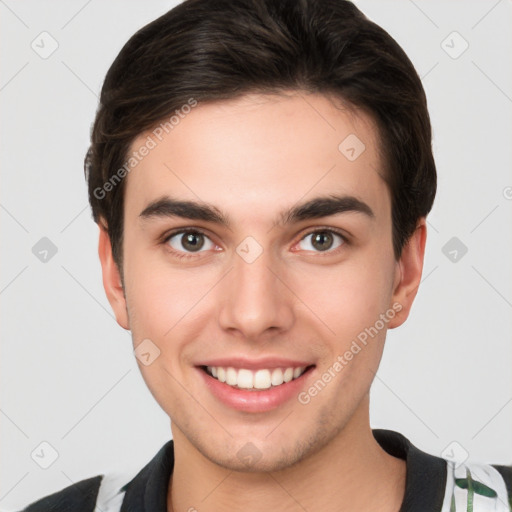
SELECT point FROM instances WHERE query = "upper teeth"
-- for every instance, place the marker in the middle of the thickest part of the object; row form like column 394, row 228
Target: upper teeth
column 260, row 379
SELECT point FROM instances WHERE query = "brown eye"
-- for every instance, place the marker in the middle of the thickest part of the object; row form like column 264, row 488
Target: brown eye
column 322, row 241
column 189, row 241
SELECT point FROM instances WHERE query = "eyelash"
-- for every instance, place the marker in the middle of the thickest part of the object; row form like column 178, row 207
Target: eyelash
column 183, row 255
column 186, row 256
column 178, row 254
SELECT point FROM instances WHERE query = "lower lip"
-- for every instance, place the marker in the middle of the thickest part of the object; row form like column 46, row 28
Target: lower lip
column 255, row 401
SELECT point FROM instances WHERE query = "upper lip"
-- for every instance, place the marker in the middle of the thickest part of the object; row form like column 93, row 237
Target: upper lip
column 255, row 364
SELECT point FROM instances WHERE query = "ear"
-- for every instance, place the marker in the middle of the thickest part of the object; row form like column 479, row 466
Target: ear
column 112, row 279
column 408, row 274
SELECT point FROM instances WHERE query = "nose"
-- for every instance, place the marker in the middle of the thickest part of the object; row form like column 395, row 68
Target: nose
column 256, row 301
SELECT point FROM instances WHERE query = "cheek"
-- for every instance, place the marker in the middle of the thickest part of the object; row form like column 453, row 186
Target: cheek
column 349, row 298
column 156, row 296
column 158, row 301
column 346, row 297
column 161, row 309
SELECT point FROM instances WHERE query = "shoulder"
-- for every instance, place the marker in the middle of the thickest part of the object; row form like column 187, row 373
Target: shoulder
column 485, row 486
column 109, row 491
column 101, row 492
column 445, row 484
column 81, row 495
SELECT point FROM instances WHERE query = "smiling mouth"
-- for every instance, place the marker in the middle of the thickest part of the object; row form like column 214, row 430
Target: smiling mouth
column 250, row 380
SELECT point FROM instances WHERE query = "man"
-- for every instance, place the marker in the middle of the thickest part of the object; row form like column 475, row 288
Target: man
column 261, row 172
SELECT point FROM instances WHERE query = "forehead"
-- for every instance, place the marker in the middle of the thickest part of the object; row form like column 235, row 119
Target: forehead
column 258, row 152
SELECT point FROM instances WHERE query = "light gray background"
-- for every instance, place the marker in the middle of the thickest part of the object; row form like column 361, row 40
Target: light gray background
column 68, row 374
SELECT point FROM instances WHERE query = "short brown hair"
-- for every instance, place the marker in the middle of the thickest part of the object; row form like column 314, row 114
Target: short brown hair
column 218, row 50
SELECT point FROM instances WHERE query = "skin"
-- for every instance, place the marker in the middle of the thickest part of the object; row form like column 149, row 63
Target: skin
column 252, row 158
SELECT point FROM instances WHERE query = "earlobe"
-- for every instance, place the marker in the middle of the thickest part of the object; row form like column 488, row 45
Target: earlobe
column 112, row 279
column 408, row 274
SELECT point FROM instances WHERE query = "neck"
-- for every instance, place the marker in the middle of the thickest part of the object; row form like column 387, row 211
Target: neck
column 351, row 472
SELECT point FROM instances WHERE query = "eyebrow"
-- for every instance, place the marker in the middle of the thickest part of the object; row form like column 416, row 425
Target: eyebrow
column 313, row 209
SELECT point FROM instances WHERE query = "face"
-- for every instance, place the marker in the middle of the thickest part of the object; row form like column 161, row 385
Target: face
column 257, row 249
